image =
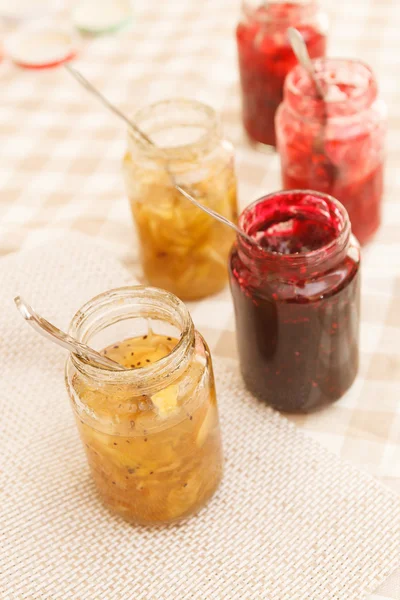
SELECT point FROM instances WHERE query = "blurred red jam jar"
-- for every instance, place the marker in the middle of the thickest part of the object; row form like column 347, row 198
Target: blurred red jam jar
column 338, row 146
column 266, row 57
column 297, row 300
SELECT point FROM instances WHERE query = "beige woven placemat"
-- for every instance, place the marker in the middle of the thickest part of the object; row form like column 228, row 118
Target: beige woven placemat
column 290, row 522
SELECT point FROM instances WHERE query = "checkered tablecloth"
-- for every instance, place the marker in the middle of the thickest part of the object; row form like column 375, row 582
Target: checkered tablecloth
column 60, row 170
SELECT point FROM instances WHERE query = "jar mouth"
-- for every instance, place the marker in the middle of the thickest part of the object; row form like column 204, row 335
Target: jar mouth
column 181, row 129
column 349, row 86
column 278, row 11
column 111, row 308
column 278, row 209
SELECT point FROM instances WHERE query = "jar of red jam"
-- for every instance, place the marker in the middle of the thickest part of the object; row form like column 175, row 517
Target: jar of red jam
column 297, row 299
column 266, row 57
column 336, row 146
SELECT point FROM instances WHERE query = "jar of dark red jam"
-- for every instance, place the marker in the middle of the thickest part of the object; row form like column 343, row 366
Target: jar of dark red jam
column 266, row 57
column 296, row 299
column 337, row 146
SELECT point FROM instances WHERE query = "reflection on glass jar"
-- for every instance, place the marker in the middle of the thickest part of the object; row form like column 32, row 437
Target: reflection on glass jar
column 266, row 57
column 336, row 147
column 296, row 300
column 183, row 250
column 151, row 433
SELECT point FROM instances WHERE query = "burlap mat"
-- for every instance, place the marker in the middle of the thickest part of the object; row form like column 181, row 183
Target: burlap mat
column 290, row 521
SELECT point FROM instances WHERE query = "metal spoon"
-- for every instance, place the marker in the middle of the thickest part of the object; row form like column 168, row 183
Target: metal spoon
column 95, row 92
column 51, row 332
column 300, row 49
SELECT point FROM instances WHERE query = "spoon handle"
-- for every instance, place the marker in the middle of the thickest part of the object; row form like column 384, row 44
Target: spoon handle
column 213, row 214
column 301, row 51
column 50, row 331
column 90, row 88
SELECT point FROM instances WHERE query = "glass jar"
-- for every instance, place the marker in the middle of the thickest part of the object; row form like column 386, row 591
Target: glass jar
column 266, row 57
column 151, row 433
column 183, row 249
column 338, row 146
column 296, row 300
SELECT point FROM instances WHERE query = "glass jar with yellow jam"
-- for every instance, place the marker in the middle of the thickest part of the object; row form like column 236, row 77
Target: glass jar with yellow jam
column 182, row 249
column 151, row 432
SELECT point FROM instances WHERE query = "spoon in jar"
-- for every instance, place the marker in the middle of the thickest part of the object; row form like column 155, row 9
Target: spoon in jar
column 95, row 92
column 51, row 332
column 299, row 47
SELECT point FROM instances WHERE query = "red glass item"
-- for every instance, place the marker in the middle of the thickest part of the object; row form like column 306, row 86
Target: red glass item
column 297, row 300
column 336, row 147
column 265, row 57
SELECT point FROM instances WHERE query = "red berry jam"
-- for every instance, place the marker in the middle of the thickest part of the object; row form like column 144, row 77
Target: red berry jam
column 266, row 57
column 337, row 146
column 296, row 300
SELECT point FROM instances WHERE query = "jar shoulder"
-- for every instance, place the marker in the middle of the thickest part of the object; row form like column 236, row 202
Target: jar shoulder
column 221, row 152
column 112, row 407
column 322, row 285
column 371, row 122
column 256, row 17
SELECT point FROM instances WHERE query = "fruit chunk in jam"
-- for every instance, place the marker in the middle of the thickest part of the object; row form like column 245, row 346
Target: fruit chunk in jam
column 265, row 58
column 158, row 459
column 297, row 301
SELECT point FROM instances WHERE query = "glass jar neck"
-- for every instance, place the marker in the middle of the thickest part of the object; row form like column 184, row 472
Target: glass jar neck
column 280, row 12
column 104, row 313
column 350, row 89
column 184, row 131
column 273, row 213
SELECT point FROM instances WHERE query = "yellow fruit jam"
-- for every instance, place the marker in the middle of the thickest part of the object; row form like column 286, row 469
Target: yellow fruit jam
column 183, row 249
column 155, row 458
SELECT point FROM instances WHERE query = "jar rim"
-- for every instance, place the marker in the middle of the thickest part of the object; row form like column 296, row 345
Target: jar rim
column 261, row 12
column 298, row 260
column 362, row 97
column 203, row 116
column 91, row 318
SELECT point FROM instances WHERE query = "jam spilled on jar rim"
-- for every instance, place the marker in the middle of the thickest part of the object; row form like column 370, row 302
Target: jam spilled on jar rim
column 296, row 300
column 266, row 57
column 287, row 230
column 338, row 146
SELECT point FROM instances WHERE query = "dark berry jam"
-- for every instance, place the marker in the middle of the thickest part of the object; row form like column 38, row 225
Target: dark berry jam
column 296, row 300
column 338, row 148
column 266, row 57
